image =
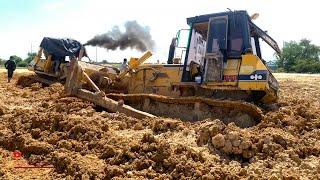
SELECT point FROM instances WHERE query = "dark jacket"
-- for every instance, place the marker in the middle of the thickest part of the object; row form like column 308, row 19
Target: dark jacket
column 10, row 65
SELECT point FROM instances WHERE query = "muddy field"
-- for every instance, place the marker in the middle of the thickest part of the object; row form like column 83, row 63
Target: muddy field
column 66, row 138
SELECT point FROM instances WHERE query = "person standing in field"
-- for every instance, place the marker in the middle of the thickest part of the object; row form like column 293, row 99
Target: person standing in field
column 10, row 65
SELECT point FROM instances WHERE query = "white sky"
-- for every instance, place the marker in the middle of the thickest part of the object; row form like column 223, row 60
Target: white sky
column 83, row 19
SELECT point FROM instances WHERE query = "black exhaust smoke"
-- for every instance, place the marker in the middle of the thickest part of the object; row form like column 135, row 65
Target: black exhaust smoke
column 134, row 37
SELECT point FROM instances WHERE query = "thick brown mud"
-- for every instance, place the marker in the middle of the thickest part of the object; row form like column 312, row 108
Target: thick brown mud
column 82, row 143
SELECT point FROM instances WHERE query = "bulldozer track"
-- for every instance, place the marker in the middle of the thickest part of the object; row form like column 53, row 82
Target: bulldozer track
column 185, row 105
column 246, row 107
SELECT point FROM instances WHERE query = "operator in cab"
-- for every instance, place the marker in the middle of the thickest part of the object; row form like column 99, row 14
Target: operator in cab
column 10, row 65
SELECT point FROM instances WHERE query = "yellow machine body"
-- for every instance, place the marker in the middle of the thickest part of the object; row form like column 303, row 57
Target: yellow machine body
column 220, row 77
column 166, row 79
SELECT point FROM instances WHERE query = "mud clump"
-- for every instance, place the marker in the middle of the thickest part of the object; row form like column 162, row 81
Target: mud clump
column 233, row 142
column 38, row 148
column 3, row 109
column 26, row 80
column 208, row 129
column 160, row 125
column 36, row 86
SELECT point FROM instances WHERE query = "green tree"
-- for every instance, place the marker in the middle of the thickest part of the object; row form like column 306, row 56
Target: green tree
column 22, row 64
column 25, row 62
column 303, row 66
column 17, row 59
column 104, row 62
column 2, row 62
column 299, row 56
column 30, row 57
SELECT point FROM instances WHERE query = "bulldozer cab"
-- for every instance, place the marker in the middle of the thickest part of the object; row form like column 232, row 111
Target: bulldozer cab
column 216, row 45
column 51, row 57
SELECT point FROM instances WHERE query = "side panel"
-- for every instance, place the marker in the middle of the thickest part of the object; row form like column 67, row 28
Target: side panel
column 231, row 71
column 155, row 79
column 253, row 74
column 230, row 75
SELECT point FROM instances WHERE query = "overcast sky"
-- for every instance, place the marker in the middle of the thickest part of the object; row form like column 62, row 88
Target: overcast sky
column 23, row 23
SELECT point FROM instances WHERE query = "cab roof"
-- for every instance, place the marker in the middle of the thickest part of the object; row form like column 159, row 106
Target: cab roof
column 206, row 17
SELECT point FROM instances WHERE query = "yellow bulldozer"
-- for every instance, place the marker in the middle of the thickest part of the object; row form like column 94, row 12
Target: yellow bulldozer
column 222, row 76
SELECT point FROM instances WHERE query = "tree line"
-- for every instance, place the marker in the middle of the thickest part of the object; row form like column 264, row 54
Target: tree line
column 19, row 61
column 300, row 57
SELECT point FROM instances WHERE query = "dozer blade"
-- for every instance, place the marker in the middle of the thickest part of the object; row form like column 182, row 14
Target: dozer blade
column 73, row 87
column 112, row 105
